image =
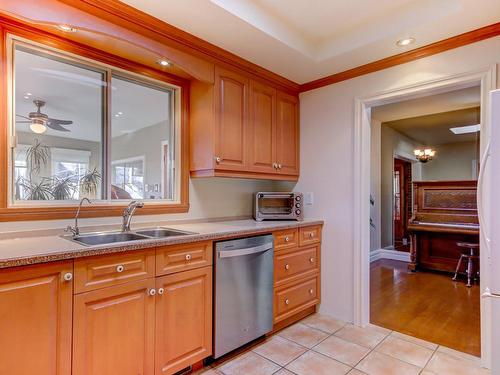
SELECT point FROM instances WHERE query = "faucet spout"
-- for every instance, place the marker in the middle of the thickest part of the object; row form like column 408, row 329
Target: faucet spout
column 128, row 213
column 75, row 230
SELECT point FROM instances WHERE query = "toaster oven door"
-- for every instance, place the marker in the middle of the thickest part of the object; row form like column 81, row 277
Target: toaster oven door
column 275, row 206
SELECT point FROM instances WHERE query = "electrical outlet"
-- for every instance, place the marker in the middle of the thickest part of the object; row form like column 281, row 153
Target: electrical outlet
column 309, row 198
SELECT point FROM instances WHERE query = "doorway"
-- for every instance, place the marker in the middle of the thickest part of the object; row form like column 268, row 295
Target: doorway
column 402, row 204
column 486, row 79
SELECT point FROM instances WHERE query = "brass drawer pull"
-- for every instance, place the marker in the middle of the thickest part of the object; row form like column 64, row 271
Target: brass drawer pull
column 287, row 239
column 311, row 291
column 287, row 301
column 311, row 259
column 311, row 234
column 287, row 266
column 120, row 268
column 188, row 256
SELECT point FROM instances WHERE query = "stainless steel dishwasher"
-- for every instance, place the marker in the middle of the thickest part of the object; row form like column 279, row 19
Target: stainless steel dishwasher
column 243, row 309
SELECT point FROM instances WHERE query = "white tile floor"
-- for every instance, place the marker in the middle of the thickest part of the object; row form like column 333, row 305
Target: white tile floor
column 322, row 345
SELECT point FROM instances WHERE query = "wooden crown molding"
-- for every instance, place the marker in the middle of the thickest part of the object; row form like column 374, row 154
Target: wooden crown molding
column 402, row 58
column 119, row 13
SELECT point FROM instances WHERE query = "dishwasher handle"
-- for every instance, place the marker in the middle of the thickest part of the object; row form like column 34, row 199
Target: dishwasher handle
column 245, row 251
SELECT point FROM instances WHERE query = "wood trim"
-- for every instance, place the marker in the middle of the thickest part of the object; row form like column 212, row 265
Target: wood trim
column 147, row 25
column 8, row 26
column 243, row 174
column 402, row 58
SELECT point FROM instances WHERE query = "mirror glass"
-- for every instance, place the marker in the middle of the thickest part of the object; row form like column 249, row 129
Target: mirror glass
column 58, row 105
column 142, row 140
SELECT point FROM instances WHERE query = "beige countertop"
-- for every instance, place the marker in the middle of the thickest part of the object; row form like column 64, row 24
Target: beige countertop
column 25, row 248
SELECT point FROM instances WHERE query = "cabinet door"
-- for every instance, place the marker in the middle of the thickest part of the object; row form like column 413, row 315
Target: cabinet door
column 262, row 128
column 114, row 330
column 183, row 319
column 35, row 320
column 231, row 102
column 288, row 133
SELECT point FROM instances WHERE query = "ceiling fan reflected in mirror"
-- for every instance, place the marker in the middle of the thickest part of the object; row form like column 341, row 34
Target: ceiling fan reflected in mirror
column 39, row 122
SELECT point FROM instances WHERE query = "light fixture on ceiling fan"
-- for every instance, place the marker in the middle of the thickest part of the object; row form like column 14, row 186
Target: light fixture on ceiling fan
column 39, row 122
column 425, row 155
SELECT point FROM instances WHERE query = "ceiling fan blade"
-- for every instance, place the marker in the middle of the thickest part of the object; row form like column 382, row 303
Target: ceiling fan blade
column 27, row 118
column 54, row 121
column 56, row 127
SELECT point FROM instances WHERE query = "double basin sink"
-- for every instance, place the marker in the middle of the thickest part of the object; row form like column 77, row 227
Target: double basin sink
column 105, row 238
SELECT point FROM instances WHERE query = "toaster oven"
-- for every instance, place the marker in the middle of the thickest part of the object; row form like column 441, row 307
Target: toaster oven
column 278, row 206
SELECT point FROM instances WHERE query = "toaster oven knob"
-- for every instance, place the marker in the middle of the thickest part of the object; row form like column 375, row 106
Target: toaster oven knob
column 297, row 198
column 297, row 205
column 298, row 212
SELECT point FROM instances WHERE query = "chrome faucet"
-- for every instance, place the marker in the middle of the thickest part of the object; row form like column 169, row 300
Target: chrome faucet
column 128, row 213
column 75, row 230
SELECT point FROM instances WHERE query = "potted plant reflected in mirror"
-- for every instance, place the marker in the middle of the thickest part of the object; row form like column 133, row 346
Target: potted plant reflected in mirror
column 89, row 184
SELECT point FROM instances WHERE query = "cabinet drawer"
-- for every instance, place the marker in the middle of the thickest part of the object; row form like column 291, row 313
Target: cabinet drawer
column 171, row 259
column 107, row 270
column 309, row 235
column 286, row 239
column 292, row 299
column 294, row 264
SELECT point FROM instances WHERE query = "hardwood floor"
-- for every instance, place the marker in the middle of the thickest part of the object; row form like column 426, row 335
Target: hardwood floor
column 426, row 305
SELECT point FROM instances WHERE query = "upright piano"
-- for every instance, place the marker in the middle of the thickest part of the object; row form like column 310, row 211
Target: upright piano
column 444, row 213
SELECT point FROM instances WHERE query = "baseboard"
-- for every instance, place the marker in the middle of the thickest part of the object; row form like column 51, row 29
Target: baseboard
column 389, row 254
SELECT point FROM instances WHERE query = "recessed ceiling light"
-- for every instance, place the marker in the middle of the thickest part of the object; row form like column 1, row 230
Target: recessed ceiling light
column 26, row 97
column 466, row 129
column 67, row 28
column 29, row 94
column 117, row 115
column 120, row 113
column 405, row 41
column 163, row 62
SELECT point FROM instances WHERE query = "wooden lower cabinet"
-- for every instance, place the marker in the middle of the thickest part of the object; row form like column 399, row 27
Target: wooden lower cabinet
column 114, row 330
column 36, row 319
column 183, row 319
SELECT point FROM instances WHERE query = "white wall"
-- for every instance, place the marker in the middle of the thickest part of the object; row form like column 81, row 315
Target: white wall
column 209, row 198
column 327, row 144
column 453, row 161
column 393, row 144
column 375, row 185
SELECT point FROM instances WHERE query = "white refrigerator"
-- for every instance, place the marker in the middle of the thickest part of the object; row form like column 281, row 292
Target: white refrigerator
column 491, row 237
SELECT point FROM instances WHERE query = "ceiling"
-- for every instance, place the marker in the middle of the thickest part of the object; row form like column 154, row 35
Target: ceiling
column 444, row 102
column 75, row 93
column 307, row 40
column 434, row 130
column 427, row 120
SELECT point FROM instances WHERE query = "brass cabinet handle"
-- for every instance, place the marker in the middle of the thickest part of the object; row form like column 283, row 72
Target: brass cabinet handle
column 287, row 301
column 152, row 292
column 188, row 256
column 161, row 291
column 120, row 268
column 68, row 276
column 311, row 291
column 218, row 159
column 311, row 235
column 311, row 259
column 287, row 239
column 279, row 166
column 287, row 266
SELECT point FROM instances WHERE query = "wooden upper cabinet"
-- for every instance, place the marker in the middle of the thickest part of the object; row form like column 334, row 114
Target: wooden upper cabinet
column 288, row 134
column 231, row 119
column 183, row 319
column 36, row 319
column 243, row 128
column 114, row 330
column 262, row 128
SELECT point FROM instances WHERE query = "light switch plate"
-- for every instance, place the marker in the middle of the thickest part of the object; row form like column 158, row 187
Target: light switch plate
column 309, row 198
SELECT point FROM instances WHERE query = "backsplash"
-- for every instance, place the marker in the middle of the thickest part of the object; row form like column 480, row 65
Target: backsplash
column 209, row 198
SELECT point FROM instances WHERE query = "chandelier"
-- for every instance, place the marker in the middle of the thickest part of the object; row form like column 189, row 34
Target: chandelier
column 424, row 155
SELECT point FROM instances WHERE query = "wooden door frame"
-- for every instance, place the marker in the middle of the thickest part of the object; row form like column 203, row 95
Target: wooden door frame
column 406, row 216
column 486, row 78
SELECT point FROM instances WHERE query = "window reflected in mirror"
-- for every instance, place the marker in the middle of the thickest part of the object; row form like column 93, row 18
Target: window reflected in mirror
column 78, row 136
column 142, row 141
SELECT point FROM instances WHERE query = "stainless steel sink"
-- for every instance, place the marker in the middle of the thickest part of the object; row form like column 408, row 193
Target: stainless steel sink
column 161, row 232
column 106, row 238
